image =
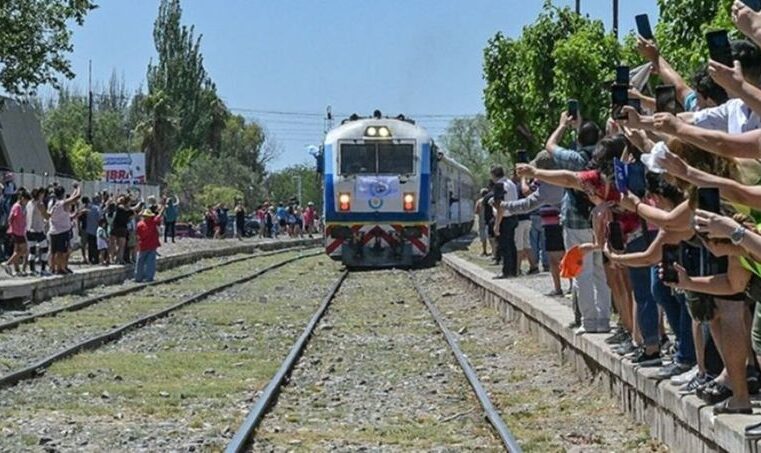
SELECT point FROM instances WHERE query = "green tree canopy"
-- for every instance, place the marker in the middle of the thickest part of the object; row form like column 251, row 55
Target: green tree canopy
column 463, row 142
column 35, row 41
column 86, row 163
column 529, row 79
column 282, row 185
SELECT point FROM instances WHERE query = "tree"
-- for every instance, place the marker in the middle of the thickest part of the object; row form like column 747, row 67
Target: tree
column 529, row 79
column 463, row 141
column 188, row 92
column 187, row 182
column 282, row 185
column 35, row 41
column 157, row 132
column 86, row 163
column 243, row 142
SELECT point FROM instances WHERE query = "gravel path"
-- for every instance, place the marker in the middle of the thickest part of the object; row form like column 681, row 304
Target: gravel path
column 379, row 376
column 183, row 383
column 30, row 342
column 544, row 404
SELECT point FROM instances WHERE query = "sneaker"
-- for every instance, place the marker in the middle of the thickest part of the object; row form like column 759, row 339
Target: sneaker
column 554, row 294
column 685, row 377
column 673, row 369
column 619, row 337
column 644, row 359
column 533, row 271
column 633, row 351
column 700, row 379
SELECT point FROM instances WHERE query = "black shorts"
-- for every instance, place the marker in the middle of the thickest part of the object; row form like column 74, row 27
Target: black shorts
column 35, row 236
column 59, row 243
column 490, row 229
column 553, row 238
column 120, row 232
column 282, row 222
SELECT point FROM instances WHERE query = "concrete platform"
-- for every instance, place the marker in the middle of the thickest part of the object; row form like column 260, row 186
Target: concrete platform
column 685, row 423
column 41, row 288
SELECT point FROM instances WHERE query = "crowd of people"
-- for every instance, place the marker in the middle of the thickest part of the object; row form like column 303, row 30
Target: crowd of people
column 46, row 226
column 657, row 215
column 288, row 219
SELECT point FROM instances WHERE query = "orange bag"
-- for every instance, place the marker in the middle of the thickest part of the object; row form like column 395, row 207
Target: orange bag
column 572, row 263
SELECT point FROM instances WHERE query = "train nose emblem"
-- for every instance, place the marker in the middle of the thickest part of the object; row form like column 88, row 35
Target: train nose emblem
column 379, row 189
column 375, row 202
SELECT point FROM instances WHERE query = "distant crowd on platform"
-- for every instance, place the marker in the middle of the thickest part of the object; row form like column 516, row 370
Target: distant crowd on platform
column 41, row 229
column 658, row 215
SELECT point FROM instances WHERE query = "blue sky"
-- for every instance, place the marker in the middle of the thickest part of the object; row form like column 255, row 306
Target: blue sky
column 298, row 56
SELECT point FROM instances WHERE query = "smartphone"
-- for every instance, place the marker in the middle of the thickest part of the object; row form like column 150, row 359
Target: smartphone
column 522, row 156
column 719, row 48
column 669, row 257
column 622, row 75
column 615, row 236
column 573, row 108
column 619, row 98
column 709, row 199
column 755, row 5
column 665, row 99
column 643, row 26
column 636, row 181
column 637, row 104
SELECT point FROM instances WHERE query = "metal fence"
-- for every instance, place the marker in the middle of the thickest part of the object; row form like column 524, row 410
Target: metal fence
column 89, row 188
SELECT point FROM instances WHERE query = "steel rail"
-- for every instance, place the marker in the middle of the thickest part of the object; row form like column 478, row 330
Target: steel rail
column 244, row 433
column 492, row 415
column 96, row 341
column 124, row 291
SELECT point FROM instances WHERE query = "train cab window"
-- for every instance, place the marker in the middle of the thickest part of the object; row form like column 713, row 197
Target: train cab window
column 358, row 158
column 396, row 158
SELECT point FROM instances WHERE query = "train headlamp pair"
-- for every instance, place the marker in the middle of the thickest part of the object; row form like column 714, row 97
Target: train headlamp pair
column 378, row 132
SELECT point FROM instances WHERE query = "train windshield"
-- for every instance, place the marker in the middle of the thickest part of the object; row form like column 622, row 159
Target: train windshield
column 377, row 158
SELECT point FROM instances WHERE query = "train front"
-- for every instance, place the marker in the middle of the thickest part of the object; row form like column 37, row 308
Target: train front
column 377, row 192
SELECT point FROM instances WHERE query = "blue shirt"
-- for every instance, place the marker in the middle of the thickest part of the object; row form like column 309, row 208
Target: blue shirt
column 281, row 213
column 566, row 159
column 93, row 217
column 170, row 212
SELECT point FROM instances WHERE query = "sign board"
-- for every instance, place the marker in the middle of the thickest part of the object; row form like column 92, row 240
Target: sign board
column 124, row 168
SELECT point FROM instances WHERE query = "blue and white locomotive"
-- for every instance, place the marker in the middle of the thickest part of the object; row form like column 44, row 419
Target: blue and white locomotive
column 390, row 196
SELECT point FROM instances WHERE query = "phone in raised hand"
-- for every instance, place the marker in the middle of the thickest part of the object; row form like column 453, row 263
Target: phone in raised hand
column 665, row 99
column 719, row 48
column 669, row 257
column 643, row 26
column 622, row 75
column 619, row 98
column 573, row 108
column 755, row 5
column 709, row 199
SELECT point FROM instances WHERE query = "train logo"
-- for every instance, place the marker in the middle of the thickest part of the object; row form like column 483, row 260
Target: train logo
column 390, row 196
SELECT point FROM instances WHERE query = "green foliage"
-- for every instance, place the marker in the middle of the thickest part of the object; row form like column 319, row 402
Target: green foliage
column 243, row 142
column 212, row 194
column 282, row 185
column 463, row 141
column 682, row 26
column 188, row 182
column 85, row 162
column 35, row 41
column 528, row 80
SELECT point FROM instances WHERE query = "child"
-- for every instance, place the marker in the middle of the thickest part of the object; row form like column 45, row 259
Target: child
column 102, row 238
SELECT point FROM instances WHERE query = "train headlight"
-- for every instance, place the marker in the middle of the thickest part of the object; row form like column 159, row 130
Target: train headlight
column 378, row 132
column 409, row 201
column 344, row 201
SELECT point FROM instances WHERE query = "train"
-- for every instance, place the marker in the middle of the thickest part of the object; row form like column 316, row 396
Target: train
column 391, row 197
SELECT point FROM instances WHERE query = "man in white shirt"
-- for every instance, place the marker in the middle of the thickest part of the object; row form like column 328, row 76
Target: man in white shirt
column 505, row 225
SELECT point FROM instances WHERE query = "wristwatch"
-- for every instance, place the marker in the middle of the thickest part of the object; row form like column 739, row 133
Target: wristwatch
column 737, row 236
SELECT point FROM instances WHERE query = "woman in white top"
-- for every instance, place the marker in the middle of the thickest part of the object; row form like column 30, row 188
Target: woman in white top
column 59, row 215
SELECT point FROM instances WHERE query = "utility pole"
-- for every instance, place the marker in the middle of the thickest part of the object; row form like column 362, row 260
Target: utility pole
column 578, row 7
column 615, row 18
column 328, row 119
column 89, row 103
column 298, row 189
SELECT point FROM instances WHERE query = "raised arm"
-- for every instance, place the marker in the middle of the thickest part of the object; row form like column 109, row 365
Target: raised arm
column 74, row 196
column 734, row 281
column 553, row 143
column 747, row 21
column 744, row 146
column 562, row 178
column 733, row 80
column 650, row 51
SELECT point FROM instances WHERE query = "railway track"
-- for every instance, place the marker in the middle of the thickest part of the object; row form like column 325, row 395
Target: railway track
column 245, row 434
column 96, row 319
column 88, row 301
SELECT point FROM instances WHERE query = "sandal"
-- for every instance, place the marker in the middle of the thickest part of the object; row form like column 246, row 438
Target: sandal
column 723, row 408
column 715, row 393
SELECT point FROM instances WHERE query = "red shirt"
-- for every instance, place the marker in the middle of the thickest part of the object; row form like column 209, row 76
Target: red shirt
column 148, row 234
column 608, row 192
